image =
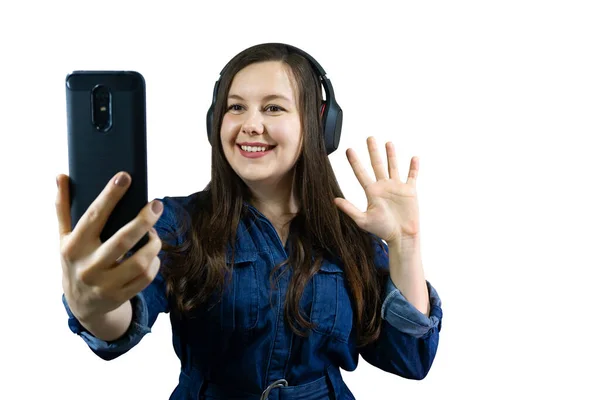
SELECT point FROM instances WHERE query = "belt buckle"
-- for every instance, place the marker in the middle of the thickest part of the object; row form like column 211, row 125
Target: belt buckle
column 277, row 384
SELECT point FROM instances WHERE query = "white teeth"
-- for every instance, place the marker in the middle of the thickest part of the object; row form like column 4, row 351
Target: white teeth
column 253, row 149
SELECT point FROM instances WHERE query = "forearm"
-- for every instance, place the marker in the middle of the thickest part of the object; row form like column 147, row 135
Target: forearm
column 111, row 326
column 406, row 272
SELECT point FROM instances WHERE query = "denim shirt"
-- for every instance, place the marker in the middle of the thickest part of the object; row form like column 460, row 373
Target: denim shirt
column 242, row 348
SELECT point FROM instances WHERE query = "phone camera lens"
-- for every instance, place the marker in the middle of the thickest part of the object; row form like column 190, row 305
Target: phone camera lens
column 101, row 108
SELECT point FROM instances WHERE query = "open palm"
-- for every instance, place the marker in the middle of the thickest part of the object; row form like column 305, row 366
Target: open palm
column 392, row 209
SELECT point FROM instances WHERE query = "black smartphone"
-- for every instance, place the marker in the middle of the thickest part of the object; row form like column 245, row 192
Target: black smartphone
column 106, row 127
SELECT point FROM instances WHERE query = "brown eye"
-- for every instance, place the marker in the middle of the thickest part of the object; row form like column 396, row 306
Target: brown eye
column 235, row 107
column 274, row 108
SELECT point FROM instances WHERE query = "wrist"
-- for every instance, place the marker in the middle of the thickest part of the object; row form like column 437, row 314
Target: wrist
column 111, row 325
column 405, row 242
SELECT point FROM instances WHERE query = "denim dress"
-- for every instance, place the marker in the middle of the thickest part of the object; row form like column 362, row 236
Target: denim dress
column 242, row 348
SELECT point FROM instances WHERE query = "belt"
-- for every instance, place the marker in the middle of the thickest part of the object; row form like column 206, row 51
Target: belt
column 277, row 384
column 326, row 387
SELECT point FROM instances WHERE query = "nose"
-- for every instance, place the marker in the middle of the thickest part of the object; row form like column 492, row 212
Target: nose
column 253, row 124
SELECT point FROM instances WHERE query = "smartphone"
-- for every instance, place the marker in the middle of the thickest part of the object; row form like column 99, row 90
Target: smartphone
column 106, row 128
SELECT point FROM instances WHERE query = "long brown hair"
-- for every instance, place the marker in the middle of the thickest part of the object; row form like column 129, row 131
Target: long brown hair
column 199, row 269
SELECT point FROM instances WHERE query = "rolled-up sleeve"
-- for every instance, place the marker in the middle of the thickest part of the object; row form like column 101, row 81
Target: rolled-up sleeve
column 408, row 341
column 146, row 305
column 405, row 317
column 109, row 350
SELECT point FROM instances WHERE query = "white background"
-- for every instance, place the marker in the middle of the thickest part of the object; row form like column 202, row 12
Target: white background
column 500, row 100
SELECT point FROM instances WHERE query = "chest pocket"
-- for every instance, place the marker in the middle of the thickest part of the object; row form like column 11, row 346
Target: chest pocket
column 332, row 308
column 239, row 304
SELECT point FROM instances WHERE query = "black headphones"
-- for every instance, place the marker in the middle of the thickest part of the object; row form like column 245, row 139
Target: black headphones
column 331, row 113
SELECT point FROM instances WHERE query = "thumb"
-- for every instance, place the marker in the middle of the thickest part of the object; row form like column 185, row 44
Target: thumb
column 350, row 209
column 63, row 206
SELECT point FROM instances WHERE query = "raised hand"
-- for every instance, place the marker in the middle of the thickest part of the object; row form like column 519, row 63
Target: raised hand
column 392, row 210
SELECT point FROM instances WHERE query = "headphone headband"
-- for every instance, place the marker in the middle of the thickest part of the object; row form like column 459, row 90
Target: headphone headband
column 319, row 69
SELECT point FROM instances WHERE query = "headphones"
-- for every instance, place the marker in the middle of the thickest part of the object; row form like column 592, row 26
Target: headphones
column 331, row 113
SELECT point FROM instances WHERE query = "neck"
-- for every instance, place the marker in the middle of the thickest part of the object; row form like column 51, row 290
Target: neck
column 273, row 200
column 276, row 201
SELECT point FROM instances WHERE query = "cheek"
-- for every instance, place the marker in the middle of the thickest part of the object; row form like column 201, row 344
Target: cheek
column 227, row 129
column 287, row 133
column 296, row 140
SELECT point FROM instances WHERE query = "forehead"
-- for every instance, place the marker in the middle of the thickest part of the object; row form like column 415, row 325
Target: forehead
column 262, row 79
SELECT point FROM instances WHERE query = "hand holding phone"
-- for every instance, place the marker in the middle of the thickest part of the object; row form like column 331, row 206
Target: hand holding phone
column 96, row 278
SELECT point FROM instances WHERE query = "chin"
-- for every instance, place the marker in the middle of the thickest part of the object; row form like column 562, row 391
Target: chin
column 251, row 174
column 254, row 178
column 261, row 177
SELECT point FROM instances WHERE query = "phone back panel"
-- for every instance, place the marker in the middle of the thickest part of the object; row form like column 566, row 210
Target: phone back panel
column 95, row 156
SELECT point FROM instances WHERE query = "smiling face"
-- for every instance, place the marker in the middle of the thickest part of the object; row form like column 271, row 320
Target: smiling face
column 261, row 131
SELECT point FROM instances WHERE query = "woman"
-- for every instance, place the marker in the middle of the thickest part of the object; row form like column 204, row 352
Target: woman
column 273, row 280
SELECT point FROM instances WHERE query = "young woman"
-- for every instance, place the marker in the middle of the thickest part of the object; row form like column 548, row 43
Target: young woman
column 273, row 280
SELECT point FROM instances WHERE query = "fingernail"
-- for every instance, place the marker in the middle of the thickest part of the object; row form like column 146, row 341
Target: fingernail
column 157, row 207
column 122, row 179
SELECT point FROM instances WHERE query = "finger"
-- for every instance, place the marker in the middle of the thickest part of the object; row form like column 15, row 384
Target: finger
column 63, row 207
column 127, row 237
column 139, row 264
column 142, row 281
column 359, row 171
column 392, row 161
column 413, row 171
column 352, row 211
column 376, row 160
column 93, row 220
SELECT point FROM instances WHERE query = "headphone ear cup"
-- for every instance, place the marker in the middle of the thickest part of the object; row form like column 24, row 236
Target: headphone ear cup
column 210, row 112
column 209, row 117
column 323, row 104
column 331, row 118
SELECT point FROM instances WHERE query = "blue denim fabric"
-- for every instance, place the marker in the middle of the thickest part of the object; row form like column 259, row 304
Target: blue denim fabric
column 237, row 348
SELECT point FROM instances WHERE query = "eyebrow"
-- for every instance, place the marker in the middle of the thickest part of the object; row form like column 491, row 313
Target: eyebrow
column 266, row 98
